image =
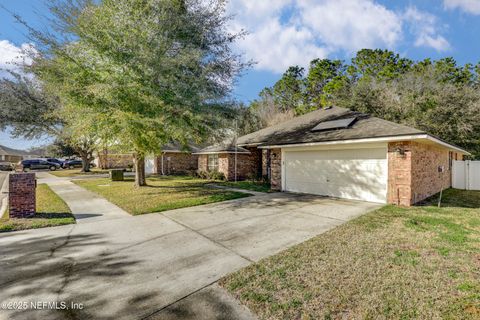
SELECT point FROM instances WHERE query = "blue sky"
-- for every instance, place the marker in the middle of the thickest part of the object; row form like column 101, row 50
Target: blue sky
column 293, row 32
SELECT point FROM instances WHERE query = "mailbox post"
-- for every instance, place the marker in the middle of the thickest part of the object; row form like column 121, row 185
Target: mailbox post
column 22, row 195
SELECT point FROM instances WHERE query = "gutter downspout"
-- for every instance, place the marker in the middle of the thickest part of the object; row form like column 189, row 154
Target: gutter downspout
column 163, row 173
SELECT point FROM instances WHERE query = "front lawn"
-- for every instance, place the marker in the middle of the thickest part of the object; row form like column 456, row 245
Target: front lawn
column 162, row 193
column 51, row 211
column 76, row 172
column 247, row 185
column 393, row 263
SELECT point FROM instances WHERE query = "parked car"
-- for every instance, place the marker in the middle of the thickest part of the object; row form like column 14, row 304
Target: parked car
column 55, row 160
column 6, row 166
column 71, row 164
column 38, row 164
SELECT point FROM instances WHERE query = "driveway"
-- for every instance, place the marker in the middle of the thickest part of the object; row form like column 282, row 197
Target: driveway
column 158, row 266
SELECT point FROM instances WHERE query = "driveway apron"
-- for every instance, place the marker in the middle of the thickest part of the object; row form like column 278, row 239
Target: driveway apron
column 156, row 266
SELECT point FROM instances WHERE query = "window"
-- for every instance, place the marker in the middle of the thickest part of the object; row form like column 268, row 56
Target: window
column 213, row 162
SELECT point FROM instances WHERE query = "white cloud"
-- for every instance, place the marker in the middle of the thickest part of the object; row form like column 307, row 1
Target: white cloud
column 13, row 57
column 289, row 32
column 424, row 26
column 351, row 24
column 470, row 6
column 275, row 46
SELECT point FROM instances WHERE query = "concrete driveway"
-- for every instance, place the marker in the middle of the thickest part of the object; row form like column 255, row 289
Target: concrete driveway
column 158, row 266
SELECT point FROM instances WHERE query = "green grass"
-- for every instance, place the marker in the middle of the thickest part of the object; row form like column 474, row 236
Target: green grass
column 76, row 172
column 394, row 263
column 51, row 211
column 247, row 185
column 162, row 193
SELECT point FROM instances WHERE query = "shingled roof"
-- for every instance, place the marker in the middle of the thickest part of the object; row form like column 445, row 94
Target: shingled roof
column 222, row 148
column 299, row 130
column 6, row 151
column 177, row 147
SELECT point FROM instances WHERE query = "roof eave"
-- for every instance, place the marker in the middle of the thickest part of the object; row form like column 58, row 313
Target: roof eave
column 371, row 140
column 220, row 152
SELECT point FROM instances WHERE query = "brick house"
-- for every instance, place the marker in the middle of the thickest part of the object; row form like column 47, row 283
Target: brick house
column 174, row 159
column 13, row 155
column 226, row 157
column 342, row 153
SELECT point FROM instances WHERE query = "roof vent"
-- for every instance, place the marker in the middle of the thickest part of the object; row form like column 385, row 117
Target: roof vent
column 335, row 124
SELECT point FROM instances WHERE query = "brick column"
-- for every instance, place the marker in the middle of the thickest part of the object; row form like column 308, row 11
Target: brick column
column 276, row 169
column 400, row 173
column 21, row 198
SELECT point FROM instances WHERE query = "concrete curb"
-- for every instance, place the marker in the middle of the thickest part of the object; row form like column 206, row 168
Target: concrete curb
column 4, row 202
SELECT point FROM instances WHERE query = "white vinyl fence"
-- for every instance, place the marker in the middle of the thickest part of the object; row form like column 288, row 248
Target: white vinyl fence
column 466, row 175
column 149, row 164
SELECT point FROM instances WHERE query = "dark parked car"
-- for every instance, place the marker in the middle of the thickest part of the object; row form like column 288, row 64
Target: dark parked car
column 37, row 164
column 6, row 166
column 55, row 160
column 70, row 164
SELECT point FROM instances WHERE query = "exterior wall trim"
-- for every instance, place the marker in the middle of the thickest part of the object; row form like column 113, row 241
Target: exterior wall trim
column 368, row 140
column 221, row 152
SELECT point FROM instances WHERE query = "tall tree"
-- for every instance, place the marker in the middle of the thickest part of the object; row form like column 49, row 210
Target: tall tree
column 378, row 64
column 33, row 112
column 324, row 78
column 142, row 72
column 27, row 108
column 288, row 92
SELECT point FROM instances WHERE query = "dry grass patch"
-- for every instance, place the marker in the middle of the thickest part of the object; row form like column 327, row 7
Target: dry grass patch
column 393, row 263
column 162, row 193
column 51, row 211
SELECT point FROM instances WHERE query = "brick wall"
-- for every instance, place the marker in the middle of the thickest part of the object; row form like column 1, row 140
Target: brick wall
column 414, row 176
column 176, row 163
column 12, row 159
column 22, row 198
column 203, row 162
column 276, row 169
column 426, row 180
column 115, row 161
column 248, row 165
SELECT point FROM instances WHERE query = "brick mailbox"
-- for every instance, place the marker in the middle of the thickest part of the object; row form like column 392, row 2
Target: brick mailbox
column 21, row 198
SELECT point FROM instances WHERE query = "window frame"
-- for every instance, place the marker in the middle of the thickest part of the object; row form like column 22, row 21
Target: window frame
column 212, row 158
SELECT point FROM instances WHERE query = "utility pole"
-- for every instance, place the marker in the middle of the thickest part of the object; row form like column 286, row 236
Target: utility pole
column 235, row 141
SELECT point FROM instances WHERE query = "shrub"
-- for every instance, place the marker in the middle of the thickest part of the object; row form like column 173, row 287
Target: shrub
column 215, row 175
column 202, row 174
column 210, row 175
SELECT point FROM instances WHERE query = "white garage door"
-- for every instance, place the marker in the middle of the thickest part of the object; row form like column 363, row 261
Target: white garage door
column 359, row 174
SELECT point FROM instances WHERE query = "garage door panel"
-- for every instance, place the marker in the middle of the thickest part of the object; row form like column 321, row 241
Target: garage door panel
column 352, row 174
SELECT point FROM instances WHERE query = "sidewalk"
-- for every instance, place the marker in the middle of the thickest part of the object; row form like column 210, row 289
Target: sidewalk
column 86, row 206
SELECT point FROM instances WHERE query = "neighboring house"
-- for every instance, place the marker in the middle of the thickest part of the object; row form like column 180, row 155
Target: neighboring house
column 341, row 153
column 173, row 160
column 176, row 160
column 234, row 162
column 14, row 155
column 107, row 159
